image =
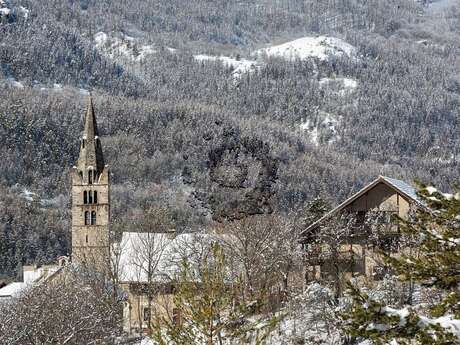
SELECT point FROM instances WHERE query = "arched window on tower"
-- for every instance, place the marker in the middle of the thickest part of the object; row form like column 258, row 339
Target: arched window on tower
column 83, row 143
column 85, row 197
column 93, row 218
column 90, row 197
column 90, row 177
column 95, row 197
column 87, row 218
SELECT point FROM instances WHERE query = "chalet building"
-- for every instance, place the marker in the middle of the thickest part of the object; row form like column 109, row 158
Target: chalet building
column 374, row 206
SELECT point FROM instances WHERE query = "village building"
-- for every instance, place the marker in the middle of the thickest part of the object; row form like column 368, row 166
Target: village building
column 373, row 209
column 32, row 274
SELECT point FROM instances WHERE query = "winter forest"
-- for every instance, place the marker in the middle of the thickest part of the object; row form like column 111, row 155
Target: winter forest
column 235, row 125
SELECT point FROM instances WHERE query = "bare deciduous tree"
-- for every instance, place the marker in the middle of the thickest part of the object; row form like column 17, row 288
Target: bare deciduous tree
column 75, row 308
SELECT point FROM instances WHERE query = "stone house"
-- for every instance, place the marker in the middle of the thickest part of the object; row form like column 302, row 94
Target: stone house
column 32, row 275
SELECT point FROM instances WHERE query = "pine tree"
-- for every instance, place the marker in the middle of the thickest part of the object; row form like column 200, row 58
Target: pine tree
column 435, row 266
column 314, row 210
column 207, row 310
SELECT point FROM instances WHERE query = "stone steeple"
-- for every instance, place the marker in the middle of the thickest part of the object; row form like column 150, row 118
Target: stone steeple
column 91, row 155
column 90, row 199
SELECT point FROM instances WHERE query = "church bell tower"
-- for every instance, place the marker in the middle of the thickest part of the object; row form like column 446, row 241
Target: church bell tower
column 90, row 199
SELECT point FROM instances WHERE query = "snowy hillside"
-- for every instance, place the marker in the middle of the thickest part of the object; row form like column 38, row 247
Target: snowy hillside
column 321, row 47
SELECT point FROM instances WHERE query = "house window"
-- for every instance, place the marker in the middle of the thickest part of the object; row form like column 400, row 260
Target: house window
column 177, row 316
column 93, row 218
column 85, row 197
column 90, row 197
column 360, row 217
column 147, row 314
column 90, row 177
column 87, row 218
column 95, row 197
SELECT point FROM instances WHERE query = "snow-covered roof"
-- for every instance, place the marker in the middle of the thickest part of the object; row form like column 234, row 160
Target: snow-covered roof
column 406, row 190
column 158, row 255
column 403, row 187
column 32, row 276
column 12, row 290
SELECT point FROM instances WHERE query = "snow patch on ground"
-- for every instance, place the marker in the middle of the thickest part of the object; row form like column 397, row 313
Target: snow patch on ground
column 14, row 83
column 322, row 129
column 124, row 47
column 240, row 66
column 340, row 85
column 439, row 6
column 28, row 195
column 321, row 47
column 346, row 82
column 56, row 87
column 447, row 322
column 6, row 10
column 24, row 11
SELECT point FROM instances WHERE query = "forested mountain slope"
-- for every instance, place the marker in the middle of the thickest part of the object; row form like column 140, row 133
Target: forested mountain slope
column 199, row 116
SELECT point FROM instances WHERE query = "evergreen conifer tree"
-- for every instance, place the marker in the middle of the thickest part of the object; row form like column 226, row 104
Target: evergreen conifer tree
column 436, row 266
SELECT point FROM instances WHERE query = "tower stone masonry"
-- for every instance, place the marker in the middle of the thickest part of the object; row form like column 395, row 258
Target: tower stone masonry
column 90, row 199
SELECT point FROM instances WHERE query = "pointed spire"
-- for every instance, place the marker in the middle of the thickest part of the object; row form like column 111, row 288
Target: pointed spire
column 90, row 146
column 90, row 121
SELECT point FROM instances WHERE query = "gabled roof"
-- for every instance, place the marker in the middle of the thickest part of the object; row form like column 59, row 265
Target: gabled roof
column 158, row 257
column 406, row 190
